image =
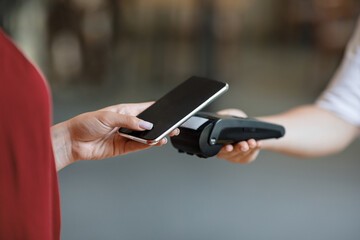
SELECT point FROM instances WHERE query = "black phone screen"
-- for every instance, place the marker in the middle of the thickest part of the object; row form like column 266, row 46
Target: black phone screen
column 177, row 105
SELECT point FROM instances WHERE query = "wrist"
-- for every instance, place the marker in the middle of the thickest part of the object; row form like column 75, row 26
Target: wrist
column 62, row 145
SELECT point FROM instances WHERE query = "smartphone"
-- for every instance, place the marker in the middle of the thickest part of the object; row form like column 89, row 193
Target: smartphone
column 176, row 107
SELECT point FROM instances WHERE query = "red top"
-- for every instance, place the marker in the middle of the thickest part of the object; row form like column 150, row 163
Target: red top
column 29, row 195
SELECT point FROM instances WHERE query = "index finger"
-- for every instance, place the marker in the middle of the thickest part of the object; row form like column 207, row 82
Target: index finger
column 129, row 108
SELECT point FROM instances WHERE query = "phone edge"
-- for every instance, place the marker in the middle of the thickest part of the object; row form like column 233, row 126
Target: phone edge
column 156, row 140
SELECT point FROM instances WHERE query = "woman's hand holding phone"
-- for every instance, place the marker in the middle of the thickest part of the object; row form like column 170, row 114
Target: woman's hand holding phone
column 93, row 135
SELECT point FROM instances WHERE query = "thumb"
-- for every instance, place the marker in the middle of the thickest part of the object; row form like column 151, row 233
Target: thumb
column 114, row 119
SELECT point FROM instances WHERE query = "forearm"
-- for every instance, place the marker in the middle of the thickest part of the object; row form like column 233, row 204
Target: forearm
column 61, row 143
column 310, row 132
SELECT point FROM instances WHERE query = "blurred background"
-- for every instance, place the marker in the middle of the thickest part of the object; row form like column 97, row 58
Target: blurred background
column 275, row 54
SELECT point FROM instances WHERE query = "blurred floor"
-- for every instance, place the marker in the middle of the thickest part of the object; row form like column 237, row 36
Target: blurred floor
column 160, row 194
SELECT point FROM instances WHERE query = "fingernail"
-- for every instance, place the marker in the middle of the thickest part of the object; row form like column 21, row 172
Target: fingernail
column 165, row 140
column 229, row 148
column 146, row 125
column 244, row 149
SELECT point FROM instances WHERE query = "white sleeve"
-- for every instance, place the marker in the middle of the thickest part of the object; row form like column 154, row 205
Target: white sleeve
column 342, row 96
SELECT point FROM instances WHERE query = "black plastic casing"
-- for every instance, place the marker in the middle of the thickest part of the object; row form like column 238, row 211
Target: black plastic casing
column 207, row 139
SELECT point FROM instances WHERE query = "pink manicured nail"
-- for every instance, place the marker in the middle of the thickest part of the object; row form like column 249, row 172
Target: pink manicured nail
column 146, row 125
column 229, row 148
column 177, row 132
column 244, row 149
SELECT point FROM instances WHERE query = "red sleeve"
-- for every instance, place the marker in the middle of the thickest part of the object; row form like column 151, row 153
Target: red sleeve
column 29, row 196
